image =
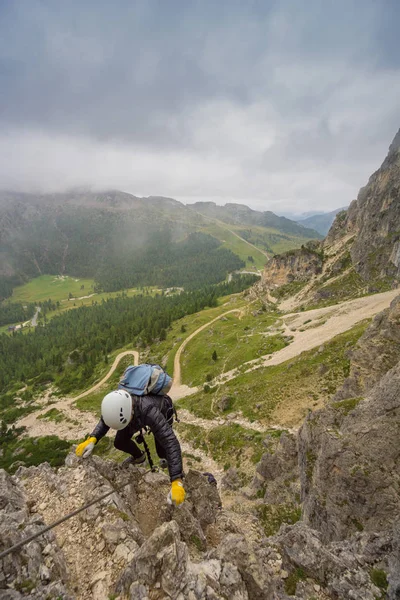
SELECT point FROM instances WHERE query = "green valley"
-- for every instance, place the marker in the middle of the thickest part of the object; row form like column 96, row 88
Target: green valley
column 55, row 287
column 234, row 339
column 281, row 394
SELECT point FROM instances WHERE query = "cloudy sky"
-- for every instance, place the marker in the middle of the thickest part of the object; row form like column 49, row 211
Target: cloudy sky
column 284, row 105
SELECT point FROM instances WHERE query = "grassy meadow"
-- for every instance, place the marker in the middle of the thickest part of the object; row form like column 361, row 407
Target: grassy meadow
column 266, row 239
column 235, row 339
column 283, row 394
column 56, row 287
column 164, row 352
column 236, row 245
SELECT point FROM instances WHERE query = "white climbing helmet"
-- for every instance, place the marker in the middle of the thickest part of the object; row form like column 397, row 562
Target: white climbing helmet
column 116, row 409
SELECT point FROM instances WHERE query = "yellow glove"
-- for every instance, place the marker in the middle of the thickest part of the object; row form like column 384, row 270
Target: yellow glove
column 85, row 449
column 177, row 493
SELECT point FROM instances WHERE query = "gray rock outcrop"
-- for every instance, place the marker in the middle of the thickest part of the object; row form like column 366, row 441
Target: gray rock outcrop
column 38, row 569
column 376, row 352
column 350, row 463
column 374, row 220
column 294, row 265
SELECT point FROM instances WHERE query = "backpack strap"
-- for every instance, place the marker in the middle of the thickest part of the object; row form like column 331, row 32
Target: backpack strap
column 168, row 405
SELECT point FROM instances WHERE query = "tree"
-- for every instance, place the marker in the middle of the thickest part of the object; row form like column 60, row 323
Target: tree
column 214, row 355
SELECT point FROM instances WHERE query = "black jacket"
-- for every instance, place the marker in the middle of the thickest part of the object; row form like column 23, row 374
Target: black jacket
column 147, row 412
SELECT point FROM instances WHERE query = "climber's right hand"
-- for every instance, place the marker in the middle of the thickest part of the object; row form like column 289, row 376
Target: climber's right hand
column 85, row 449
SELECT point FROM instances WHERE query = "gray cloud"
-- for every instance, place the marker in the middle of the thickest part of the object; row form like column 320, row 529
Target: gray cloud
column 282, row 105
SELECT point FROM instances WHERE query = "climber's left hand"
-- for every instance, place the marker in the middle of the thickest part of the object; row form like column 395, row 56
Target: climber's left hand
column 177, row 494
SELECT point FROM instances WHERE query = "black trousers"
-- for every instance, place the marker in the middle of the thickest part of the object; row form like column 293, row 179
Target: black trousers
column 123, row 441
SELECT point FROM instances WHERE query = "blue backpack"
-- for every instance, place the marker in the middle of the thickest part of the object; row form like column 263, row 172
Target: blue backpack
column 145, row 379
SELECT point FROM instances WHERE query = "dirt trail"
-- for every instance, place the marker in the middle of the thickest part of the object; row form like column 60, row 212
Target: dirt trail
column 178, row 390
column 333, row 321
column 115, row 364
column 188, row 417
column 77, row 422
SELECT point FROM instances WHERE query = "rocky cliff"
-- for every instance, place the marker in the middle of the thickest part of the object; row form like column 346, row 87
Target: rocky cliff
column 374, row 220
column 134, row 546
column 377, row 351
column 361, row 253
column 293, row 266
column 345, row 462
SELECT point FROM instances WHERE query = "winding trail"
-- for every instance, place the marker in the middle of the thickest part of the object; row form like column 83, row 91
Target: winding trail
column 191, row 419
column 179, row 390
column 76, row 422
column 323, row 325
column 115, row 364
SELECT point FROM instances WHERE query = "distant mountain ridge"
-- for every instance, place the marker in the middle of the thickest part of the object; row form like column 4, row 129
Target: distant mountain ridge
column 84, row 233
column 240, row 214
column 321, row 222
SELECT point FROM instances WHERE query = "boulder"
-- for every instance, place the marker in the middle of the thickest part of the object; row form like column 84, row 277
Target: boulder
column 162, row 559
column 232, row 479
column 350, row 463
column 39, row 567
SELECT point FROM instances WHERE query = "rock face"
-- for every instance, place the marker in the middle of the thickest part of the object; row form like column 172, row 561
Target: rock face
column 277, row 473
column 131, row 544
column 361, row 252
column 38, row 569
column 374, row 219
column 377, row 351
column 350, row 463
column 295, row 265
column 345, row 463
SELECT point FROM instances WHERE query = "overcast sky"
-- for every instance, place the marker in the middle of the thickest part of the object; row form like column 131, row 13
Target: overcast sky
column 283, row 105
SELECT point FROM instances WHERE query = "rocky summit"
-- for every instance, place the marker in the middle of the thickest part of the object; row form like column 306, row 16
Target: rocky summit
column 133, row 545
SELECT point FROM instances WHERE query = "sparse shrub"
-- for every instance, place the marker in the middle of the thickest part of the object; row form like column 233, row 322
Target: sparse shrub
column 379, row 578
column 292, row 581
column 346, row 406
column 272, row 516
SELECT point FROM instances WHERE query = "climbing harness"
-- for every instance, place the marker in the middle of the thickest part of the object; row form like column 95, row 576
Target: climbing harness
column 66, row 517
